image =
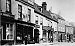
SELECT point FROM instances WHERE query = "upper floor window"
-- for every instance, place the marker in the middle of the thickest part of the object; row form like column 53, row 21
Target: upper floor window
column 36, row 21
column 41, row 21
column 8, row 5
column 19, row 12
column 8, row 32
column 29, row 15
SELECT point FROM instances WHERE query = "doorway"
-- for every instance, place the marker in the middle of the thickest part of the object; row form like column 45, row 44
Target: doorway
column 36, row 35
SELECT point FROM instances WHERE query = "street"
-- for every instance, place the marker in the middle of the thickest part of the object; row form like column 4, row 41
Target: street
column 50, row 44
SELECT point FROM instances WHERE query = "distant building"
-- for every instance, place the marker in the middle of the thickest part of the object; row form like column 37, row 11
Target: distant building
column 51, row 22
column 69, row 31
column 16, row 21
column 61, row 29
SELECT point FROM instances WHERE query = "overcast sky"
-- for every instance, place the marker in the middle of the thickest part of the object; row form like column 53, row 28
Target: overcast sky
column 65, row 7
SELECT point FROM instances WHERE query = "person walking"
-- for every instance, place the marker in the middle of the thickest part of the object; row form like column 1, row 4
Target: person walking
column 26, row 40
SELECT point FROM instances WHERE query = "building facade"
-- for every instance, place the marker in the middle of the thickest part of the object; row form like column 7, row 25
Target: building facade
column 61, row 29
column 16, row 22
column 69, row 31
column 22, row 20
column 47, row 23
column 54, row 25
column 51, row 26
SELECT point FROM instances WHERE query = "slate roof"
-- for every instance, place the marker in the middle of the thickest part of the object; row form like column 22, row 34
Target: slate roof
column 45, row 12
column 59, row 17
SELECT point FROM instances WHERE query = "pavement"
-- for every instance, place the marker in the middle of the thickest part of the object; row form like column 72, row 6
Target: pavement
column 48, row 44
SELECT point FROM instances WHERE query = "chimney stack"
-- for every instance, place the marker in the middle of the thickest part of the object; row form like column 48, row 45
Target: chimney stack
column 44, row 6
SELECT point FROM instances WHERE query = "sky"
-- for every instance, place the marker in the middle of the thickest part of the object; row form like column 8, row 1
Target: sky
column 66, row 8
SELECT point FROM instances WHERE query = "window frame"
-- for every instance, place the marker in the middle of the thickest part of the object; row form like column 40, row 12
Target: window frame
column 5, row 30
column 36, row 19
column 19, row 12
column 41, row 21
column 29, row 15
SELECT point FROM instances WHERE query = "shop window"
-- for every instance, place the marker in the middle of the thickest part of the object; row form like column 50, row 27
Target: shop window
column 8, row 5
column 19, row 12
column 36, row 21
column 8, row 32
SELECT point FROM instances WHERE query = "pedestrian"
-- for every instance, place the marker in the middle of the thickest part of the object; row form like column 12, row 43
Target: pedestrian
column 26, row 40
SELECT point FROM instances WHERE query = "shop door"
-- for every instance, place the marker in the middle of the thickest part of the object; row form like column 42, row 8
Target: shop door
column 19, row 33
column 1, row 34
column 30, row 33
column 51, row 36
column 24, row 32
column 36, row 35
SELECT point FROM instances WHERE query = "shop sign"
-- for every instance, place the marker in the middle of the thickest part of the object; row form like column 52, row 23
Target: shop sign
column 46, row 28
column 37, row 26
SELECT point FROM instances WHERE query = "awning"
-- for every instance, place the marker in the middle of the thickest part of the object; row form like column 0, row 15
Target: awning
column 12, row 20
column 7, row 19
column 23, row 22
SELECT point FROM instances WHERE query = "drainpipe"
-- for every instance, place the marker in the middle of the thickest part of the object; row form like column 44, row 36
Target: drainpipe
column 65, row 34
column 57, row 33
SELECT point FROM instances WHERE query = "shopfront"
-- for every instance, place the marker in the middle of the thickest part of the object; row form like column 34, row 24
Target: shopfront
column 23, row 30
column 48, row 34
column 7, row 29
column 61, row 37
column 14, row 31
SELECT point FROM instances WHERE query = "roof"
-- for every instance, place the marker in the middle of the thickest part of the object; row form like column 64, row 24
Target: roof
column 44, row 13
column 59, row 17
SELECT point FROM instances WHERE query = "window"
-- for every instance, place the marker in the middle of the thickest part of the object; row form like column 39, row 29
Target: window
column 19, row 12
column 29, row 15
column 8, row 32
column 36, row 21
column 8, row 5
column 44, row 33
column 41, row 21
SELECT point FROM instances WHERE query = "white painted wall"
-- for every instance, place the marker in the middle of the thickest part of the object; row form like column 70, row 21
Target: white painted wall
column 40, row 29
column 3, row 5
column 61, row 25
column 32, row 15
column 45, row 22
column 54, row 25
column 14, row 5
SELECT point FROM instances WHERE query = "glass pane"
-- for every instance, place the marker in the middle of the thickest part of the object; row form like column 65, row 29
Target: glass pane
column 8, row 2
column 19, row 15
column 19, row 8
column 28, row 17
column 9, row 31
column 11, row 27
column 4, row 31
column 29, row 11
column 8, row 5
